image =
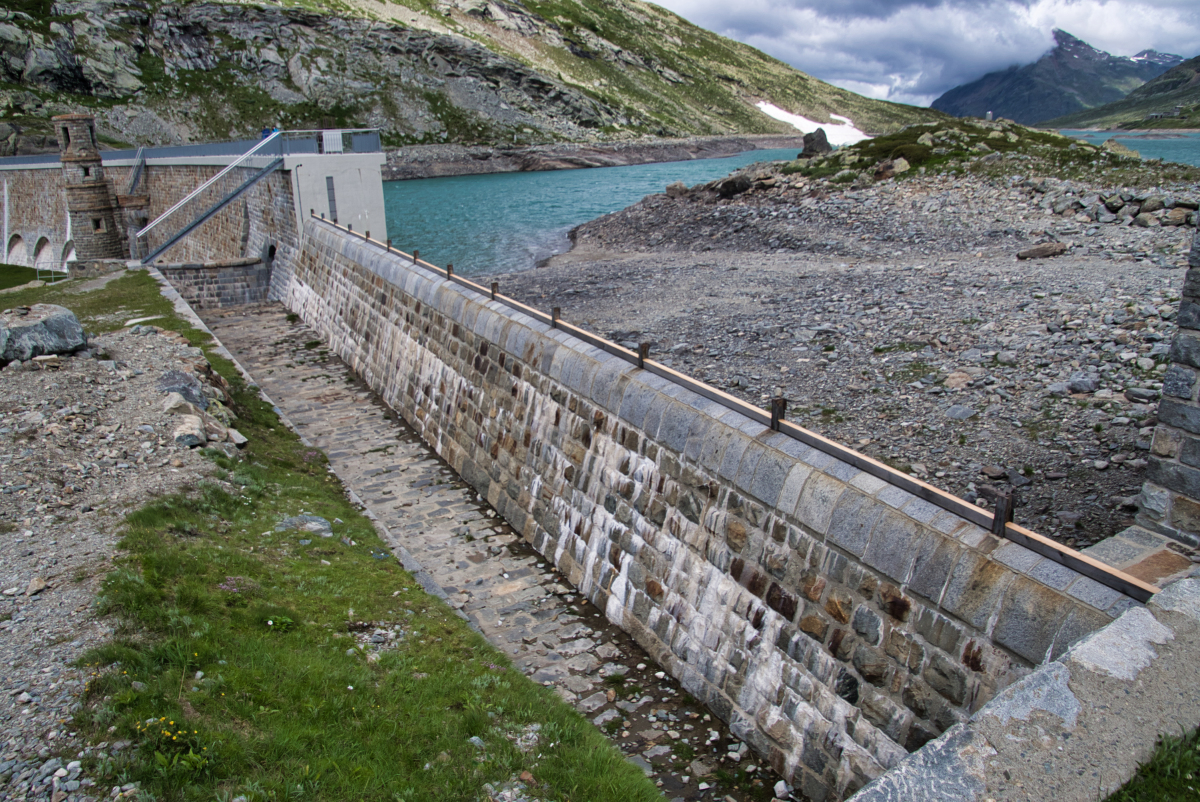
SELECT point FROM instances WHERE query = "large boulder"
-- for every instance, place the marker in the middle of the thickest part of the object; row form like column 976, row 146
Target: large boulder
column 815, row 144
column 38, row 330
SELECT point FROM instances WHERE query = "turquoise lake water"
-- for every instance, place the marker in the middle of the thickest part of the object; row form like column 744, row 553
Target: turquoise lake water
column 500, row 223
column 1165, row 145
column 485, row 224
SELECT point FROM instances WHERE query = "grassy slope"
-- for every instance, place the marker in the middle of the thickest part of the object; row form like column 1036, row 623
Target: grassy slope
column 289, row 706
column 697, row 82
column 1171, row 775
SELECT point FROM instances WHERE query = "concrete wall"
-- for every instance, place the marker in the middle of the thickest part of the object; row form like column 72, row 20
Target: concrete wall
column 834, row 619
column 1076, row 729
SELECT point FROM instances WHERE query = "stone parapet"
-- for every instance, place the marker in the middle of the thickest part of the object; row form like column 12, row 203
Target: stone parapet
column 1076, row 729
column 1170, row 499
column 835, row 620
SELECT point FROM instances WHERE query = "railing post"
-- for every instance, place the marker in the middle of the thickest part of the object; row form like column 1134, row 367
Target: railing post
column 643, row 352
column 350, row 228
column 389, row 244
column 555, row 314
column 495, row 287
column 367, row 235
column 416, row 255
column 449, row 270
column 1005, row 504
column 778, row 408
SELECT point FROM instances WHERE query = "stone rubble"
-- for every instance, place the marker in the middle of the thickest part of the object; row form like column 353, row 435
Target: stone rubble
column 895, row 319
column 83, row 441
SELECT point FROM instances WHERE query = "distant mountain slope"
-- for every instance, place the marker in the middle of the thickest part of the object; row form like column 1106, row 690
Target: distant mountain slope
column 1071, row 77
column 464, row 71
column 1178, row 86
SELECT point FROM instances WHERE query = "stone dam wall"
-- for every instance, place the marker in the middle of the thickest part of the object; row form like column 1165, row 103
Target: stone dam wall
column 35, row 213
column 836, row 620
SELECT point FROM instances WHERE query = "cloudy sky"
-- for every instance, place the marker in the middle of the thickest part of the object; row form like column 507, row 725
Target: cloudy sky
column 911, row 51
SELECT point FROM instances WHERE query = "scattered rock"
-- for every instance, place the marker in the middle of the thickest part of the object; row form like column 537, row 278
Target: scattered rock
column 38, row 330
column 1043, row 251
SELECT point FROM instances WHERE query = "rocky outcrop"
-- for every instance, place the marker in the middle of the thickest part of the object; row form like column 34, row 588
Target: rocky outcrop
column 461, row 71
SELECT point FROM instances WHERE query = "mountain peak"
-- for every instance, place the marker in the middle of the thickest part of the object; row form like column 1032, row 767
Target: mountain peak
column 1072, row 77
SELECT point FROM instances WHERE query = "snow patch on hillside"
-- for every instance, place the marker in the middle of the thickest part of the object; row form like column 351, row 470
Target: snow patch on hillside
column 843, row 133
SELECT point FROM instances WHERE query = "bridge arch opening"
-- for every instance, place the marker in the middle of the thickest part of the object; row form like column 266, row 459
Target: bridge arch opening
column 68, row 255
column 43, row 255
column 16, row 253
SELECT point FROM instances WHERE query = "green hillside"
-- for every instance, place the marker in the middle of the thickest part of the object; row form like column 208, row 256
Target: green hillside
column 464, row 71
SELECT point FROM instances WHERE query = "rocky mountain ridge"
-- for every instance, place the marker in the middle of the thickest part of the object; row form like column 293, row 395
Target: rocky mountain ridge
column 457, row 71
column 1173, row 98
column 1072, row 77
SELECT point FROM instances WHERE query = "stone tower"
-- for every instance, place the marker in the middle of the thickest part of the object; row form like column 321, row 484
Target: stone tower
column 89, row 196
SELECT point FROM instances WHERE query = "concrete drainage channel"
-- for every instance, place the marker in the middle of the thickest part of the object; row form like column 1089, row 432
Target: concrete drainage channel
column 487, row 571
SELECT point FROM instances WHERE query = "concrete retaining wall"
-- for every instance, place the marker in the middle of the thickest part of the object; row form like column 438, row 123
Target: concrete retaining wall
column 1076, row 729
column 835, row 620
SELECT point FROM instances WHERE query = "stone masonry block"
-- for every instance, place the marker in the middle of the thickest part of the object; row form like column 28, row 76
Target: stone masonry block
column 1080, row 621
column 1179, row 414
column 1190, row 453
column 744, row 479
column 1017, row 557
column 698, row 436
column 1189, row 315
column 894, row 545
column 790, row 495
column 770, row 477
column 817, row 501
column 852, row 521
column 1186, row 349
column 1029, row 620
column 932, row 571
column 975, row 589
column 673, row 431
column 1173, row 476
column 733, row 457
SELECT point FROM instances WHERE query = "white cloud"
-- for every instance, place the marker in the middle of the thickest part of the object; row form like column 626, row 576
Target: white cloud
column 913, row 50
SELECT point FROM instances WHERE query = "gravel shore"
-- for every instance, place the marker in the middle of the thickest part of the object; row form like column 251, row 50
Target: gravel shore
column 896, row 318
column 81, row 445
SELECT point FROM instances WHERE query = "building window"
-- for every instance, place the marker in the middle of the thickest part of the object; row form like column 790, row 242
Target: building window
column 332, row 199
column 66, row 137
column 98, row 225
column 87, row 172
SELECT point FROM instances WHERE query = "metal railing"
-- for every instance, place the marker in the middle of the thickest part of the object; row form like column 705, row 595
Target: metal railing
column 774, row 419
column 135, row 175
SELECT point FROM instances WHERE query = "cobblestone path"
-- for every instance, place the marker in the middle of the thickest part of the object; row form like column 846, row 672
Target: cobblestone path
column 486, row 570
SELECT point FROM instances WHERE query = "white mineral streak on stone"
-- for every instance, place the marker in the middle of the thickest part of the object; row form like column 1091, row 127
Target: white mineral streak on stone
column 1124, row 647
column 1182, row 597
column 1045, row 690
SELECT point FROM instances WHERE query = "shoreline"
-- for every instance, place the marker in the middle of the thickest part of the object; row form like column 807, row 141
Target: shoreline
column 441, row 161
